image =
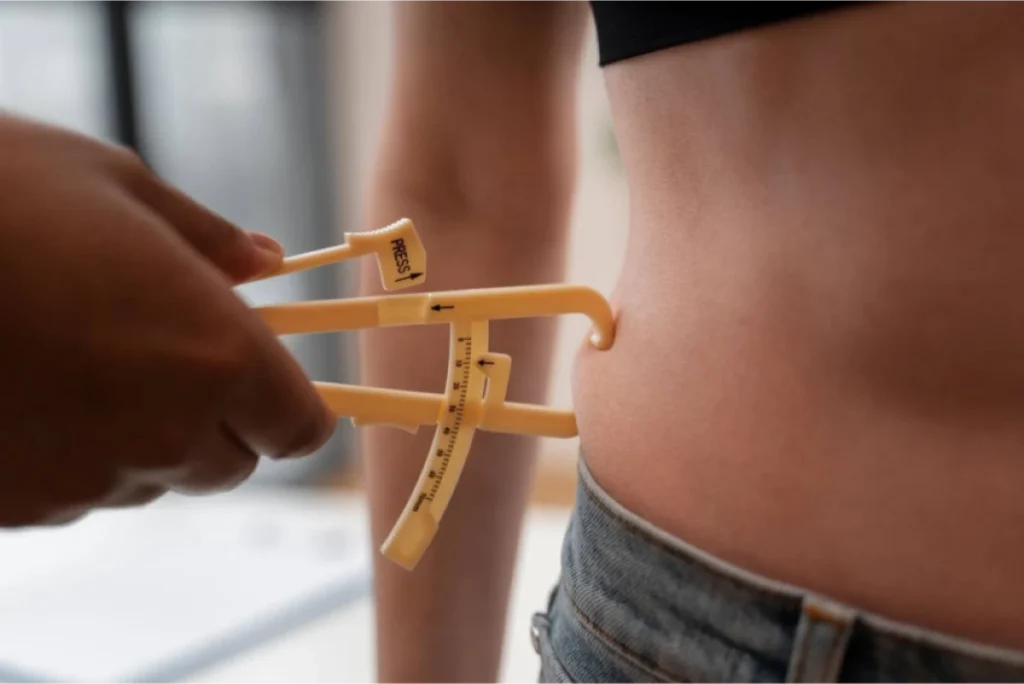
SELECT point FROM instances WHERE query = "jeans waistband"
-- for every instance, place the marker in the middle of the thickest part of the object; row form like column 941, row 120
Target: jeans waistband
column 658, row 598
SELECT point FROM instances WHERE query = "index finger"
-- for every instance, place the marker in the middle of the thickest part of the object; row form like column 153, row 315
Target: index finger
column 239, row 254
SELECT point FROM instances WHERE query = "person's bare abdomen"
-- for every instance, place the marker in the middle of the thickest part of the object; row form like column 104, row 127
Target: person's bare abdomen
column 819, row 365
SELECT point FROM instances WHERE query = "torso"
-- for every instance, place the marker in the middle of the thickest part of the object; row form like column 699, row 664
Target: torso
column 818, row 371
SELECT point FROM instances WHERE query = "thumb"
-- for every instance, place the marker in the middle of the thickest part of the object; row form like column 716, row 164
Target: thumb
column 240, row 255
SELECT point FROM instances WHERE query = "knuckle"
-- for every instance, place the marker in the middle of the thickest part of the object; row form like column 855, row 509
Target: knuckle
column 167, row 458
column 90, row 490
column 164, row 451
column 236, row 476
column 220, row 462
column 219, row 236
column 135, row 496
column 209, row 477
column 224, row 354
column 170, row 447
column 228, row 357
column 310, row 434
column 127, row 164
column 130, row 171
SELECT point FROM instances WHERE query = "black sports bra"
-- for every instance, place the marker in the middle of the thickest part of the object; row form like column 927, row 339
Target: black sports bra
column 636, row 27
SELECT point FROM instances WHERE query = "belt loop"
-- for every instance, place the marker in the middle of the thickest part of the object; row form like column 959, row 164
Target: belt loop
column 538, row 623
column 820, row 643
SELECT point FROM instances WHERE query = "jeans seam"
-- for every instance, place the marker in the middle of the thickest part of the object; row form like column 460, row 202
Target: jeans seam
column 830, row 655
column 801, row 660
column 804, row 645
column 620, row 649
column 835, row 652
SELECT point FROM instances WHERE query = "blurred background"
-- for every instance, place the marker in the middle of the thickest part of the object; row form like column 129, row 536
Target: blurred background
column 268, row 113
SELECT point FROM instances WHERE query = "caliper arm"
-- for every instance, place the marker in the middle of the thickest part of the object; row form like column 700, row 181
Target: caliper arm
column 475, row 394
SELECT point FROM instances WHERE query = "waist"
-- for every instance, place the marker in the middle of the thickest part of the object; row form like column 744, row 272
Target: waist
column 636, row 603
column 818, row 371
column 855, row 433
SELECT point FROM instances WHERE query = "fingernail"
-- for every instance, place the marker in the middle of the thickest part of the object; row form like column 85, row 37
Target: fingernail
column 267, row 243
column 271, row 255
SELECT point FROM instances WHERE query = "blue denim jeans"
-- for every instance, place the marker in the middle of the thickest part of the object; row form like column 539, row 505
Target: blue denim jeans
column 635, row 604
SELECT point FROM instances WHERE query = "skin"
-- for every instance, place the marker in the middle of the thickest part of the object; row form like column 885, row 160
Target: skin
column 130, row 368
column 821, row 300
column 817, row 371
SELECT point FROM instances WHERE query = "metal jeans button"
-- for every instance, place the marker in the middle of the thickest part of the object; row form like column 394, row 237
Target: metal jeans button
column 538, row 621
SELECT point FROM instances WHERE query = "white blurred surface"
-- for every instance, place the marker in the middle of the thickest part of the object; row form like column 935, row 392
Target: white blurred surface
column 254, row 586
column 158, row 593
column 52, row 60
column 340, row 647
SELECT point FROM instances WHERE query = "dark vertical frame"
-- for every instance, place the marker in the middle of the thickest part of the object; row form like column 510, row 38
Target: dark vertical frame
column 302, row 60
column 121, row 74
column 121, row 63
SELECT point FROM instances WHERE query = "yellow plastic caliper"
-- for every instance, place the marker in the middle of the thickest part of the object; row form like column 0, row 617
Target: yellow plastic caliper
column 474, row 397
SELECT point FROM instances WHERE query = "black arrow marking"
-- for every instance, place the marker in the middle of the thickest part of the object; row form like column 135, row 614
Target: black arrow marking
column 483, row 362
column 438, row 307
column 411, row 276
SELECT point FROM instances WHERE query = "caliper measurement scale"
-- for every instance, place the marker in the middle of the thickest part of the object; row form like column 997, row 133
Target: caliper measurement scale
column 477, row 380
column 447, row 439
column 449, row 450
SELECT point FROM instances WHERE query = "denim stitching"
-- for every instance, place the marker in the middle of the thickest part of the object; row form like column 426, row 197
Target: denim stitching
column 621, row 650
column 561, row 672
column 545, row 641
column 629, row 527
column 805, row 644
column 731, row 644
column 800, row 658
